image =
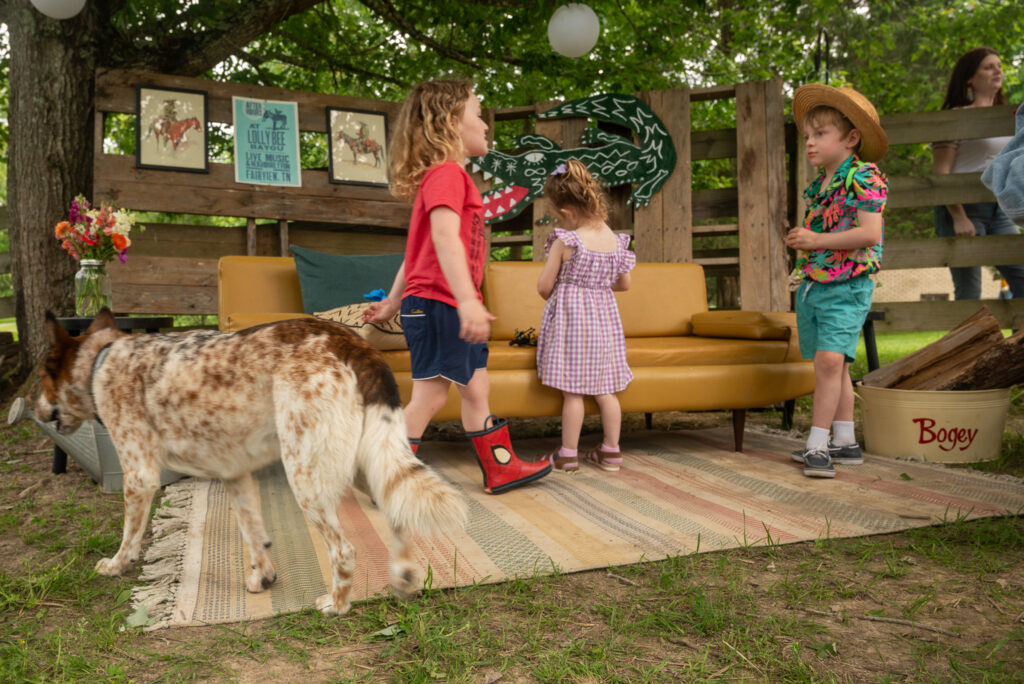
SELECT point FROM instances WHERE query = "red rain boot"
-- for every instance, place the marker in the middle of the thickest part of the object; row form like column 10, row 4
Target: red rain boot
column 414, row 444
column 502, row 469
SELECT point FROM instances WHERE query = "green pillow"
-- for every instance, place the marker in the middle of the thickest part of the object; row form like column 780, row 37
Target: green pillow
column 328, row 281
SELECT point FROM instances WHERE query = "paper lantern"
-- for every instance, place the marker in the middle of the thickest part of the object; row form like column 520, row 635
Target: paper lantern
column 573, row 30
column 59, row 9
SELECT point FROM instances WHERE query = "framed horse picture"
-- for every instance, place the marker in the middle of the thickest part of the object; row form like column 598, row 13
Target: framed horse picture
column 357, row 144
column 171, row 129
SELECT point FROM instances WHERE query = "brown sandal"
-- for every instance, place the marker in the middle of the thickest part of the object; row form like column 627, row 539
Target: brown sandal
column 605, row 460
column 561, row 464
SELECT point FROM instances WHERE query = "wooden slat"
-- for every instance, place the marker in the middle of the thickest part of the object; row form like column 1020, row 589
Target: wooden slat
column 901, row 316
column 717, row 144
column 148, row 270
column 550, row 128
column 760, row 178
column 4, row 218
column 5, row 262
column 115, row 92
column 717, row 261
column 514, row 113
column 715, row 229
column 509, row 240
column 677, row 193
column 649, row 221
column 949, row 124
column 712, row 204
column 924, row 191
column 966, row 251
column 7, row 307
column 712, row 93
column 165, row 299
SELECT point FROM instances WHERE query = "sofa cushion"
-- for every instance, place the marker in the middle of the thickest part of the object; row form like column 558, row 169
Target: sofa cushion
column 250, row 285
column 331, row 280
column 385, row 335
column 659, row 303
column 750, row 325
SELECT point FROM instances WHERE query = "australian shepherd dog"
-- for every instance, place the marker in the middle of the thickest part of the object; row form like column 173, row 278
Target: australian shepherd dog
column 306, row 392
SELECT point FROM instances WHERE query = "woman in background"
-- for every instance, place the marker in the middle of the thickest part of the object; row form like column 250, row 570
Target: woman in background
column 977, row 81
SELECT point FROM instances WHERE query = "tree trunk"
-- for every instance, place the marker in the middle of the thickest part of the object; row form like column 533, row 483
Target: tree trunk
column 53, row 66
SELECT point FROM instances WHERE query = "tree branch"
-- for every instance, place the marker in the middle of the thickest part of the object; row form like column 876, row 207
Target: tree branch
column 202, row 51
column 386, row 10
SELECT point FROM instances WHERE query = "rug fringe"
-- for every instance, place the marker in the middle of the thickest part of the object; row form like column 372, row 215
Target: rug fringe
column 161, row 573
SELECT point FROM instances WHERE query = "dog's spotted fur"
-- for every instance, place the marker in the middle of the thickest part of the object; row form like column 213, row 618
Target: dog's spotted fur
column 306, row 392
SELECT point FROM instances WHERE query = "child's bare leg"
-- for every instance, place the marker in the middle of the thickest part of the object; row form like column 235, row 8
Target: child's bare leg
column 572, row 420
column 844, row 410
column 428, row 396
column 828, row 388
column 611, row 418
column 476, row 404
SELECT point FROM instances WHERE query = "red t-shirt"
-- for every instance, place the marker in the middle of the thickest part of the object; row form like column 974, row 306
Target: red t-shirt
column 444, row 185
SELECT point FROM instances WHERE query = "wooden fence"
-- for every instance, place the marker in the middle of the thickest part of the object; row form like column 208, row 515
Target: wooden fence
column 172, row 268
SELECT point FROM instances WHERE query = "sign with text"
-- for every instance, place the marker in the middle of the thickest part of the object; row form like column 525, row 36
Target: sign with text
column 266, row 142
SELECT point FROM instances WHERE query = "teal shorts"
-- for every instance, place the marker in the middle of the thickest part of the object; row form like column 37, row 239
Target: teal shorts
column 829, row 316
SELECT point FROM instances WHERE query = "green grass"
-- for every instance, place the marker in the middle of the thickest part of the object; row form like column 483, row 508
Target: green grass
column 9, row 325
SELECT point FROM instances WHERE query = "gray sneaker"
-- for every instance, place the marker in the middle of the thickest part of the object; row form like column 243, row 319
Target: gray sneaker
column 848, row 454
column 841, row 455
column 818, row 463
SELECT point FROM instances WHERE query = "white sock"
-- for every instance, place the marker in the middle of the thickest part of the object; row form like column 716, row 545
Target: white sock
column 842, row 433
column 818, row 439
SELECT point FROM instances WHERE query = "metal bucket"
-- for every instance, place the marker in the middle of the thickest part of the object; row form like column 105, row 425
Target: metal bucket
column 941, row 427
column 89, row 445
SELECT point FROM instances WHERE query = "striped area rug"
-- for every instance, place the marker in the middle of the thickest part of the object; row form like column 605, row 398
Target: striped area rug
column 677, row 493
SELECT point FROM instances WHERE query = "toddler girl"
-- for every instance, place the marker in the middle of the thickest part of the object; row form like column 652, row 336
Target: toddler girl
column 580, row 348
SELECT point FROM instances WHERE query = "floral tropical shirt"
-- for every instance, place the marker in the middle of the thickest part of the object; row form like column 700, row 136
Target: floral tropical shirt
column 855, row 185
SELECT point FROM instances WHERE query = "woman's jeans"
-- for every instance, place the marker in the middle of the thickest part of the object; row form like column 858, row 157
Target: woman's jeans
column 988, row 219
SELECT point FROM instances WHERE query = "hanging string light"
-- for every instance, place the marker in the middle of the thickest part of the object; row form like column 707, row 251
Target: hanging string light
column 573, row 30
column 59, row 9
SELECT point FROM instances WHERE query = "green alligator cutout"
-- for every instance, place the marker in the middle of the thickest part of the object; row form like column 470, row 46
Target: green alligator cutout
column 519, row 178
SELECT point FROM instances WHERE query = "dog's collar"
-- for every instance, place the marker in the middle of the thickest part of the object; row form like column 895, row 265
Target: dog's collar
column 96, row 363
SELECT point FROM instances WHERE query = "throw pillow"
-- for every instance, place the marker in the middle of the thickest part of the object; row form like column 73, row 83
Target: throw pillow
column 328, row 281
column 385, row 336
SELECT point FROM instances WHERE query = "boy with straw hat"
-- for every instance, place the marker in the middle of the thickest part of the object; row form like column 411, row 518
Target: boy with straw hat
column 839, row 244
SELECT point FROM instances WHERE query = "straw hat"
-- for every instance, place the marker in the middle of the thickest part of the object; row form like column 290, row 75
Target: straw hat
column 854, row 106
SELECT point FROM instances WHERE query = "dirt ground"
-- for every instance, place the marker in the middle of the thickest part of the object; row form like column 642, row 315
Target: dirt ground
column 817, row 606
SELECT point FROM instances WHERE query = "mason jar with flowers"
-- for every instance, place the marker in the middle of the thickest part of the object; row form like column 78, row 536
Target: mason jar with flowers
column 94, row 236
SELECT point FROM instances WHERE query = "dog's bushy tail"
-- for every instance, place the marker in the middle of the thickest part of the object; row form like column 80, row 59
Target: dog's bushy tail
column 412, row 496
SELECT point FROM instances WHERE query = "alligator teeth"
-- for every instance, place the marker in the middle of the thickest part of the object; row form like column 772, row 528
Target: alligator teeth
column 511, row 203
column 488, row 214
column 476, row 167
column 488, row 175
column 508, row 189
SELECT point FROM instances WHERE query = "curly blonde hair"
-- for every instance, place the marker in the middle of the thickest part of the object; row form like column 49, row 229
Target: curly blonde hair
column 427, row 132
column 577, row 188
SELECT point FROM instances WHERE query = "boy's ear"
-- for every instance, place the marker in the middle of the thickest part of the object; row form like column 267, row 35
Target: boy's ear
column 853, row 137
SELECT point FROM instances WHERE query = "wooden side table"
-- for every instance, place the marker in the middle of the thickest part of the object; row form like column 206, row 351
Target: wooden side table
column 78, row 325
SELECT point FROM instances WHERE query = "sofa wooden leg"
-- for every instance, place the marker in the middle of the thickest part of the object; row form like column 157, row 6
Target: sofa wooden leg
column 739, row 418
column 649, row 420
column 788, row 409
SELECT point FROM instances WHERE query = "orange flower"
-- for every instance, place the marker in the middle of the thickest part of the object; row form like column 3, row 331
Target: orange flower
column 120, row 241
column 61, row 229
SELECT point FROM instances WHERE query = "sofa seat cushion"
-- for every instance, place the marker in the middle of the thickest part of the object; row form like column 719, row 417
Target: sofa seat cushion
column 659, row 351
column 702, row 351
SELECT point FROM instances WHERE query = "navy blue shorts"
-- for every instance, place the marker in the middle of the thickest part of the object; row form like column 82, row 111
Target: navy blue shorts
column 432, row 332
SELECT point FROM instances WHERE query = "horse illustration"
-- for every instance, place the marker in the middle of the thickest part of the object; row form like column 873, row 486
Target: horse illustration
column 276, row 116
column 176, row 131
column 361, row 144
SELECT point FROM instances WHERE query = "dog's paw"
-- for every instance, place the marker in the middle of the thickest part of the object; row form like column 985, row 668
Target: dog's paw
column 404, row 581
column 109, row 567
column 325, row 604
column 258, row 581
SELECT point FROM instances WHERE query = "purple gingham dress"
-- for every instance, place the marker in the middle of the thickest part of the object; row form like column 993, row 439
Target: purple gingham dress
column 580, row 347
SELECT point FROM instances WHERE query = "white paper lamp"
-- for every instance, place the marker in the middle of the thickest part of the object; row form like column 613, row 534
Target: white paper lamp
column 59, row 9
column 573, row 30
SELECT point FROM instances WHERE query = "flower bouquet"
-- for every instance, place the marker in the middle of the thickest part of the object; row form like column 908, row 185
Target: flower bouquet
column 94, row 236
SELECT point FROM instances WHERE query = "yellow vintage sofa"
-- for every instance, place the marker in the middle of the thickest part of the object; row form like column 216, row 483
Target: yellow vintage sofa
column 683, row 357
